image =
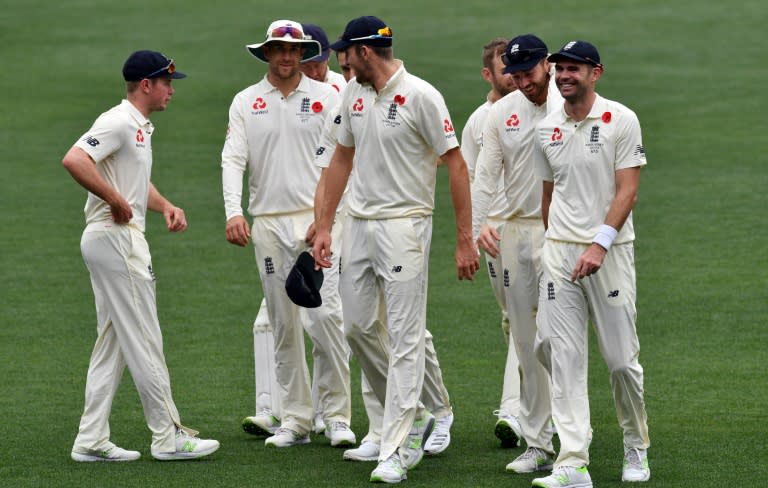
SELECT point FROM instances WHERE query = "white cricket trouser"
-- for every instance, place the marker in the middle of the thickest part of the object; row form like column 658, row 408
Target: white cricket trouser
column 386, row 264
column 510, row 392
column 521, row 243
column 278, row 240
column 264, row 363
column 434, row 395
column 118, row 259
column 607, row 298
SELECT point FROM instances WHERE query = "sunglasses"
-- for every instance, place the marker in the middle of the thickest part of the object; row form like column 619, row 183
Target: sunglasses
column 521, row 56
column 383, row 33
column 287, row 30
column 170, row 68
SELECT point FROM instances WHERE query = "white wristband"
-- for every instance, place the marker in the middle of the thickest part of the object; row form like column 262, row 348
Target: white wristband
column 605, row 236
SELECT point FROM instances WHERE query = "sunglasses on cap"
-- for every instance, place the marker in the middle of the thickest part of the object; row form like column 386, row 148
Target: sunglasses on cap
column 170, row 68
column 522, row 56
column 383, row 33
column 287, row 30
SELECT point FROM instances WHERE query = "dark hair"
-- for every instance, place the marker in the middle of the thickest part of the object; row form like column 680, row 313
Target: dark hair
column 494, row 48
column 382, row 52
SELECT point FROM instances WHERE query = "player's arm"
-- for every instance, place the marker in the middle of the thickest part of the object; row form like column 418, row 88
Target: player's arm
column 627, row 182
column 488, row 171
column 546, row 201
column 467, row 258
column 83, row 169
column 174, row 216
column 336, row 177
column 233, row 164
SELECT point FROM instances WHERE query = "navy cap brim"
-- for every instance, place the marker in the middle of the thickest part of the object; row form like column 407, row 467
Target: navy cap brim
column 340, row 45
column 553, row 58
column 516, row 68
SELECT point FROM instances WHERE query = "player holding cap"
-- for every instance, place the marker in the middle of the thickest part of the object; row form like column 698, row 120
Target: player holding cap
column 274, row 127
column 392, row 126
column 113, row 161
column 590, row 155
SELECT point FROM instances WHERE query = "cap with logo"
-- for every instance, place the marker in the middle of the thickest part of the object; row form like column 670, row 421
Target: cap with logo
column 368, row 30
column 286, row 31
column 523, row 53
column 316, row 33
column 579, row 51
column 149, row 64
column 304, row 282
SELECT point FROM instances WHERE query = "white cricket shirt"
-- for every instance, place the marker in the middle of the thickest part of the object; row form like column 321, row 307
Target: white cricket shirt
column 509, row 151
column 398, row 135
column 120, row 142
column 275, row 139
column 471, row 143
column 582, row 158
column 336, row 80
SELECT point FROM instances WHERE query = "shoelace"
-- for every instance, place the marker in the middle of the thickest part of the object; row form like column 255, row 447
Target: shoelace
column 283, row 430
column 264, row 413
column 339, row 426
column 530, row 453
column 633, row 458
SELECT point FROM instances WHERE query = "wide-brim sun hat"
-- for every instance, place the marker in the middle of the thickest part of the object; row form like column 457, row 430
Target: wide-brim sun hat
column 286, row 31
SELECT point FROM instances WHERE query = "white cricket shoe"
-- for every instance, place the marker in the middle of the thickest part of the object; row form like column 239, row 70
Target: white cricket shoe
column 412, row 452
column 111, row 453
column 565, row 477
column 286, row 438
column 440, row 438
column 340, row 435
column 263, row 423
column 389, row 471
column 368, row 451
column 508, row 430
column 635, row 465
column 318, row 423
column 188, row 447
column 532, row 460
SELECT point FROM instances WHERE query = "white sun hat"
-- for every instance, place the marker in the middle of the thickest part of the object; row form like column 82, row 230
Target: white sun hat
column 286, row 31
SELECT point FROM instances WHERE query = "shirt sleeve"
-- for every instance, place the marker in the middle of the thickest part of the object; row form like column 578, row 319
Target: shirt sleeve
column 470, row 146
column 102, row 139
column 435, row 122
column 344, row 134
column 541, row 165
column 629, row 143
column 490, row 162
column 234, row 158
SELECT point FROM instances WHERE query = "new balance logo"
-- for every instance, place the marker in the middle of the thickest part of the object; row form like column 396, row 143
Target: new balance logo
column 613, row 294
column 397, row 269
column 639, row 149
column 269, row 266
column 337, row 120
column 550, row 291
column 91, row 141
column 320, row 151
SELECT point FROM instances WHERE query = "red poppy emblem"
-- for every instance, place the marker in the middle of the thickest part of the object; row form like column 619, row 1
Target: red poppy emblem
column 447, row 126
column 557, row 134
column 139, row 136
column 399, row 99
column 259, row 104
column 358, row 106
column 606, row 117
column 317, row 107
column 338, row 90
column 513, row 121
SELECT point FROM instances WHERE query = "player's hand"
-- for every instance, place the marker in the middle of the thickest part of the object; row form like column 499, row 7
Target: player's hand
column 175, row 219
column 311, row 234
column 121, row 210
column 238, row 232
column 487, row 240
column 467, row 258
column 321, row 249
column 589, row 262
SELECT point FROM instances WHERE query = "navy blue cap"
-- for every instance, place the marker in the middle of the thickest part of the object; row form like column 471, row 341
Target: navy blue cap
column 579, row 51
column 304, row 282
column 149, row 64
column 368, row 30
column 523, row 53
column 316, row 33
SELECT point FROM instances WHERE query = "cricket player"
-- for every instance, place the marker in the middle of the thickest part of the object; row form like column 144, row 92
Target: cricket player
column 274, row 128
column 267, row 418
column 591, row 152
column 507, row 427
column 434, row 394
column 392, row 128
column 508, row 148
column 113, row 161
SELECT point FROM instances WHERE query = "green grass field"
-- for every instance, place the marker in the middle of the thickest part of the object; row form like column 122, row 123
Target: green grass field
column 691, row 70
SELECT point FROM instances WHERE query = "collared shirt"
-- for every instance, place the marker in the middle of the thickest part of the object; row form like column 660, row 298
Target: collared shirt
column 471, row 143
column 275, row 139
column 509, row 148
column 120, row 142
column 336, row 80
column 582, row 158
column 398, row 135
